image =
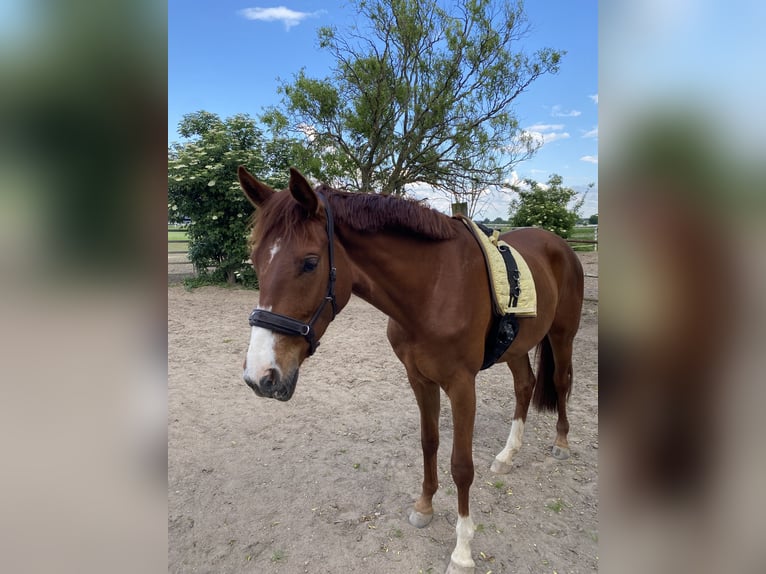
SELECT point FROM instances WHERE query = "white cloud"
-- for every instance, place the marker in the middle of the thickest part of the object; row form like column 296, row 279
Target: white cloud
column 590, row 158
column 545, row 127
column 513, row 180
column 558, row 112
column 592, row 133
column 594, row 97
column 553, row 136
column 546, row 133
column 282, row 14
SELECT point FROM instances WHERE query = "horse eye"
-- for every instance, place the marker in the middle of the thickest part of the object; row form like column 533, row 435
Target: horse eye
column 310, row 264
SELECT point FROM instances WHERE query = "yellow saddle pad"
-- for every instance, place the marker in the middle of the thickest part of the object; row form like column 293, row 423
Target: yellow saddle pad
column 500, row 285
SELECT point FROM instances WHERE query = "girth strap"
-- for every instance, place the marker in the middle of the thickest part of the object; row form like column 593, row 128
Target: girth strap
column 513, row 274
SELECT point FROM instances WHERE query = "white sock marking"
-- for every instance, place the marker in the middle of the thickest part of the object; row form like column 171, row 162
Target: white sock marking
column 461, row 556
column 513, row 444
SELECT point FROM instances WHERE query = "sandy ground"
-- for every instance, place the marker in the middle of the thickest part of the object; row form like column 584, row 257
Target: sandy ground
column 322, row 483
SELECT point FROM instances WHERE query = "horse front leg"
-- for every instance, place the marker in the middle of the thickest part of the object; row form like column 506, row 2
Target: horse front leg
column 427, row 395
column 463, row 400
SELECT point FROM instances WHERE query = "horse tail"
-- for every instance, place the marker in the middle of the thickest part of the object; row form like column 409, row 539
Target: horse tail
column 545, row 397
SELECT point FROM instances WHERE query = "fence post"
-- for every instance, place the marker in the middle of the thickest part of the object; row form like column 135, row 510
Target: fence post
column 460, row 208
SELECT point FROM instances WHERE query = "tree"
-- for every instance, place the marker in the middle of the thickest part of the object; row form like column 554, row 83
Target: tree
column 470, row 190
column 546, row 206
column 420, row 94
column 593, row 219
column 292, row 148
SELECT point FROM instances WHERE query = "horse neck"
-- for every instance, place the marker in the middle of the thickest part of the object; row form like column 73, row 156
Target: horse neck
column 394, row 273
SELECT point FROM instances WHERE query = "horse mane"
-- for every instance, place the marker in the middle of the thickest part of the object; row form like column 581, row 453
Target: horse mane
column 373, row 213
column 362, row 212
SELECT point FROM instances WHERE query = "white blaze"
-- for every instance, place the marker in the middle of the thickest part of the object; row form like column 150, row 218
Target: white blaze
column 260, row 353
column 274, row 249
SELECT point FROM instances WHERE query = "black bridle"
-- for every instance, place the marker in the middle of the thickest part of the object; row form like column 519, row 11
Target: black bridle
column 289, row 326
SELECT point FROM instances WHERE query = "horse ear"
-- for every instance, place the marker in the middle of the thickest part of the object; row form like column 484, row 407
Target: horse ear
column 302, row 192
column 255, row 191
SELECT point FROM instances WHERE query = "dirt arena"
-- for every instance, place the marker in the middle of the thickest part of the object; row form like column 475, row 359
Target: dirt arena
column 322, row 483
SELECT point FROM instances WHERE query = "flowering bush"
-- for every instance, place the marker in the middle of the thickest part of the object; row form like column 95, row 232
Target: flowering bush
column 203, row 187
column 546, row 206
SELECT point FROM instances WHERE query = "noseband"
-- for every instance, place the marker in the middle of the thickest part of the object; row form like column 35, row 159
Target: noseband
column 292, row 327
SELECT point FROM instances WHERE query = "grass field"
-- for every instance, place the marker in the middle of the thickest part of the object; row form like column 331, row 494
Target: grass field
column 177, row 233
column 583, row 233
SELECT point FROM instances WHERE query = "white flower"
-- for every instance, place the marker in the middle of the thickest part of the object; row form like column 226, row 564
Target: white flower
column 211, row 183
column 215, row 217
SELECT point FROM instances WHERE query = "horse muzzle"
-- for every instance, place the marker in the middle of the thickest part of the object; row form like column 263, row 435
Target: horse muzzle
column 272, row 385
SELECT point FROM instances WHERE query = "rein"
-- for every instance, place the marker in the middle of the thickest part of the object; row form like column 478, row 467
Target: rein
column 292, row 327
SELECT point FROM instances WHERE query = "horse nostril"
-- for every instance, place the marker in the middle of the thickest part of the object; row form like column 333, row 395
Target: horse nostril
column 269, row 380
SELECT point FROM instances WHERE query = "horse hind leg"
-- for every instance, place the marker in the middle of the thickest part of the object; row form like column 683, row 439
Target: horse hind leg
column 554, row 378
column 561, row 346
column 523, row 383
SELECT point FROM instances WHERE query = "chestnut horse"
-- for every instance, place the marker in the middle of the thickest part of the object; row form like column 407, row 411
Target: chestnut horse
column 313, row 248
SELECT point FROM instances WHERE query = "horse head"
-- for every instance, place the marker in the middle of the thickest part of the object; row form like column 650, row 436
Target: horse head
column 303, row 278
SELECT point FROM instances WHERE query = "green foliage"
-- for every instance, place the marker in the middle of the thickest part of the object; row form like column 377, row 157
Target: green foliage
column 545, row 206
column 593, row 219
column 419, row 93
column 203, row 185
column 287, row 147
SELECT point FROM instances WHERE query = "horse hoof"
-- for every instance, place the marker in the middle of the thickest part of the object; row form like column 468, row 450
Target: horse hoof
column 560, row 453
column 420, row 520
column 500, row 467
column 457, row 569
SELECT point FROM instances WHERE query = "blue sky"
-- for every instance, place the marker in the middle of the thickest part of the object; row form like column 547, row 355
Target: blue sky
column 226, row 57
